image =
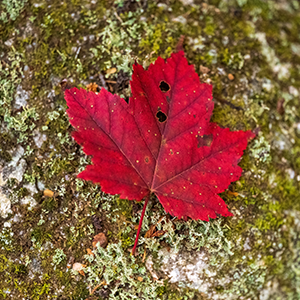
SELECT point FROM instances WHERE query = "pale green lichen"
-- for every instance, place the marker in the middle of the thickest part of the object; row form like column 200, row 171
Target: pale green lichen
column 11, row 9
column 23, row 123
column 119, row 37
column 126, row 279
column 261, row 149
column 59, row 256
column 9, row 80
column 194, row 234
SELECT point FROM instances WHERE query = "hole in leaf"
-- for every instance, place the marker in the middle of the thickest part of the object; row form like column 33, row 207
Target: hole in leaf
column 205, row 140
column 162, row 117
column 164, row 87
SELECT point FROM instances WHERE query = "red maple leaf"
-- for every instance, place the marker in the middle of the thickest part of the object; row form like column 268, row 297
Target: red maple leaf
column 161, row 142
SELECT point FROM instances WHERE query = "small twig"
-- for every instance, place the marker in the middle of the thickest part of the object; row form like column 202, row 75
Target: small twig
column 223, row 101
column 144, row 255
column 103, row 81
column 118, row 17
column 77, row 52
column 95, row 288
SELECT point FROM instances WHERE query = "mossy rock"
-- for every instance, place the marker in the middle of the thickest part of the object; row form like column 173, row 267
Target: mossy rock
column 249, row 52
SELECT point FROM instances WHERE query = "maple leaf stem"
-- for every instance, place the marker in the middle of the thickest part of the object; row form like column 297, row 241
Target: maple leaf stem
column 140, row 224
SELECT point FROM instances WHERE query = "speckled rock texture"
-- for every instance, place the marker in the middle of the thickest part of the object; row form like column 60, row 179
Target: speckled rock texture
column 248, row 50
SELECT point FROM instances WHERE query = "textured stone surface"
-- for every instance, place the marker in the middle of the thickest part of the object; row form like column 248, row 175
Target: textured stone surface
column 248, row 50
